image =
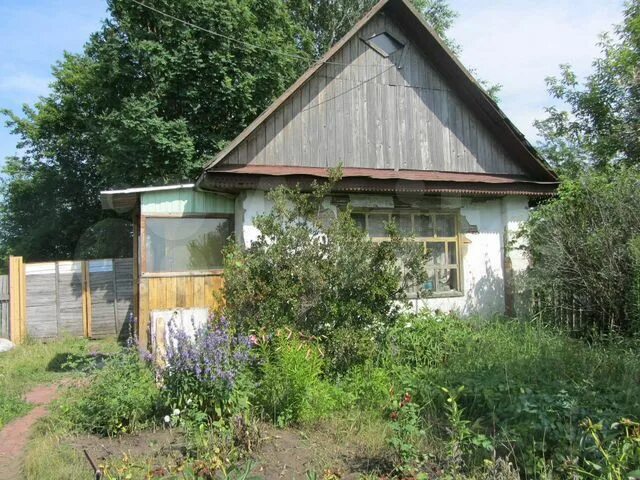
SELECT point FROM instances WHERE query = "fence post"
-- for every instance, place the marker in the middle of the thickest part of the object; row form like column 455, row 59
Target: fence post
column 17, row 300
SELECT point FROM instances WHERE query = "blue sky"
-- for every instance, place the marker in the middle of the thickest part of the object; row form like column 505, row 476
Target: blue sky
column 516, row 43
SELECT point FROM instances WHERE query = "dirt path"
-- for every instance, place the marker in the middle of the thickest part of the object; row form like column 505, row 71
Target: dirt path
column 15, row 435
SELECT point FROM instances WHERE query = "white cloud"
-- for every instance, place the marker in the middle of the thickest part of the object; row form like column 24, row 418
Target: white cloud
column 25, row 83
column 519, row 44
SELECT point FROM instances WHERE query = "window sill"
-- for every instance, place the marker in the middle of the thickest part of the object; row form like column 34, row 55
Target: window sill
column 437, row 296
column 200, row 273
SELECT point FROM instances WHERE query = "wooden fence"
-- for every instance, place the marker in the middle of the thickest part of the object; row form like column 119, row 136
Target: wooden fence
column 4, row 306
column 92, row 298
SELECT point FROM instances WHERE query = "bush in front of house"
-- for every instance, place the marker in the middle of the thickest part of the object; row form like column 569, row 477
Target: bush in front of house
column 122, row 397
column 313, row 270
column 585, row 270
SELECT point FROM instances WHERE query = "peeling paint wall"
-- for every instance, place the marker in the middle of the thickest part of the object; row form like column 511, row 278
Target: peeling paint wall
column 489, row 225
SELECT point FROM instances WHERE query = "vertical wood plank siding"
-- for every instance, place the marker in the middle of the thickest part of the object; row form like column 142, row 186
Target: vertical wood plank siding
column 162, row 293
column 4, row 306
column 394, row 113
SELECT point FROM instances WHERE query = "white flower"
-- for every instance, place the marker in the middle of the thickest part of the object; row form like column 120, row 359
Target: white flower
column 176, row 412
column 189, row 402
column 407, row 325
column 167, row 419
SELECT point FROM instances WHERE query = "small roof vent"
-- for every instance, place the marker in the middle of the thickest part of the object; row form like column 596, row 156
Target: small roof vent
column 384, row 44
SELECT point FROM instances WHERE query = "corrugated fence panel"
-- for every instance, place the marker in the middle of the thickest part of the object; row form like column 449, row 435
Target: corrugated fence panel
column 4, row 306
column 41, row 300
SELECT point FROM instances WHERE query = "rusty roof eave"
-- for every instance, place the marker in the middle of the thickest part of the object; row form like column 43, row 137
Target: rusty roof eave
column 234, row 183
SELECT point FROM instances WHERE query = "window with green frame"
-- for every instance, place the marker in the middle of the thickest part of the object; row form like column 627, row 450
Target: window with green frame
column 438, row 232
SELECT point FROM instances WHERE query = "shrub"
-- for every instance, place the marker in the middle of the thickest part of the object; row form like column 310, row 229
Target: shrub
column 291, row 387
column 315, row 271
column 582, row 249
column 203, row 371
column 121, row 397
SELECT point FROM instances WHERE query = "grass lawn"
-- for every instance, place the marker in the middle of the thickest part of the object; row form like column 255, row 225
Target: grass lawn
column 37, row 362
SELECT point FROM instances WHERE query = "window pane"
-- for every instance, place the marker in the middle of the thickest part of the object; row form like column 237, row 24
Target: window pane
column 403, row 223
column 445, row 226
column 424, row 226
column 359, row 218
column 184, row 244
column 447, row 280
column 436, row 253
column 376, row 227
column 430, row 284
column 452, row 253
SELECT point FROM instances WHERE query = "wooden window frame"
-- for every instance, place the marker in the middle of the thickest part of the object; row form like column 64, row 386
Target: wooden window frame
column 142, row 245
column 456, row 238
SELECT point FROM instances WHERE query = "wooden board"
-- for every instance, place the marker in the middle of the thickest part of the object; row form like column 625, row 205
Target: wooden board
column 4, row 306
column 165, row 293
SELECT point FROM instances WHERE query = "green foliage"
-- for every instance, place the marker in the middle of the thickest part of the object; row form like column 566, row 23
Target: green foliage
column 616, row 451
column 320, row 275
column 36, row 362
column 121, row 397
column 291, row 388
column 583, row 249
column 524, row 385
column 601, row 125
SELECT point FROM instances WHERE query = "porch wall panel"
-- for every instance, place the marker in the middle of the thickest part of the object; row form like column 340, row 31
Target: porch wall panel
column 168, row 292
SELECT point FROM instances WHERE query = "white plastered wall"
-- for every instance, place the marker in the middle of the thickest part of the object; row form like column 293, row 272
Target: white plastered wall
column 483, row 253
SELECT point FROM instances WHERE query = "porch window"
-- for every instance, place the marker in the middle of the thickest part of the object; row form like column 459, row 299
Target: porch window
column 437, row 232
column 183, row 244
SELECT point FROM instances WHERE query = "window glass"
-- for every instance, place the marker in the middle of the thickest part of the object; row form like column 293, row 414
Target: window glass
column 185, row 244
column 424, row 226
column 403, row 222
column 451, row 250
column 385, row 43
column 376, row 225
column 445, row 226
column 447, row 280
column 360, row 220
column 436, row 253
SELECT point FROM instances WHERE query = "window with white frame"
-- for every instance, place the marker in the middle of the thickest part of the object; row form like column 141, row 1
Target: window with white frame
column 437, row 232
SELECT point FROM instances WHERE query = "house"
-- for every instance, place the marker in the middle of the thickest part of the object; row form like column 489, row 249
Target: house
column 419, row 141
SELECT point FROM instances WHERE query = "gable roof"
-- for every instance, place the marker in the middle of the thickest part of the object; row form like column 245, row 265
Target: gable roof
column 471, row 94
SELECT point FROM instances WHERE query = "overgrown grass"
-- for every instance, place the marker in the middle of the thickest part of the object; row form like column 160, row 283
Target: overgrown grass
column 38, row 362
column 527, row 386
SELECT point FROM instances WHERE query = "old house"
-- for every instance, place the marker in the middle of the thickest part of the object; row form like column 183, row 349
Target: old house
column 419, row 141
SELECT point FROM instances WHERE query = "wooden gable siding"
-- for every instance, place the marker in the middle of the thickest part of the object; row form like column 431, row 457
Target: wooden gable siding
column 387, row 113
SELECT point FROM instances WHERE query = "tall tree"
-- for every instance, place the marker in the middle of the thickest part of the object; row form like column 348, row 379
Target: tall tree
column 602, row 125
column 149, row 99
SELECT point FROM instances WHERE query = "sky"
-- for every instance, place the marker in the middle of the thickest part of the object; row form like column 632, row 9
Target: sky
column 516, row 43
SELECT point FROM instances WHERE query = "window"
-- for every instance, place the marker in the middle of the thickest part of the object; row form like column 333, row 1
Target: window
column 183, row 244
column 384, row 44
column 438, row 232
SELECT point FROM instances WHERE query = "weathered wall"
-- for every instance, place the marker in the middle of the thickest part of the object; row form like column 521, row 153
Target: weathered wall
column 364, row 110
column 483, row 253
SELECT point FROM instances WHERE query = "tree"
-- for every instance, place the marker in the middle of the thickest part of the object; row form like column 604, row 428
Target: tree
column 602, row 126
column 149, row 99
